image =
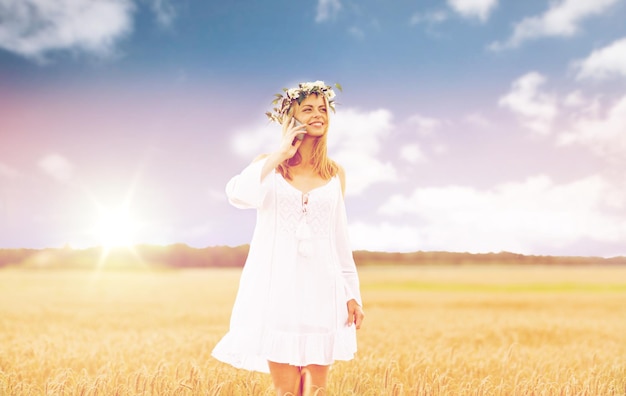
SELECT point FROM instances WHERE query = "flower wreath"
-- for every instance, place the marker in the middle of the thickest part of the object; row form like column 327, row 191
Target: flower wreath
column 283, row 101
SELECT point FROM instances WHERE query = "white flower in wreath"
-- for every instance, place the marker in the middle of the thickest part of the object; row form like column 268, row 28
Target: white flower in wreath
column 293, row 93
column 308, row 86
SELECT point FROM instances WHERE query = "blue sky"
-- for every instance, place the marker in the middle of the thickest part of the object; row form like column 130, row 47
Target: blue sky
column 464, row 125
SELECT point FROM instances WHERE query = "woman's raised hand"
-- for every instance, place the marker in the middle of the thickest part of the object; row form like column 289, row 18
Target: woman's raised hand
column 289, row 144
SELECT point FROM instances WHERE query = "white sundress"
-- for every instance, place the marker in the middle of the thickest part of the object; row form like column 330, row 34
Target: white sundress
column 299, row 274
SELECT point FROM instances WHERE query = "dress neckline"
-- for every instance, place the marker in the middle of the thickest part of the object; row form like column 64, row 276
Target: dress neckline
column 305, row 192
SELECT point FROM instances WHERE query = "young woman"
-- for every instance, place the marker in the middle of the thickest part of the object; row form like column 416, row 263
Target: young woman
column 298, row 303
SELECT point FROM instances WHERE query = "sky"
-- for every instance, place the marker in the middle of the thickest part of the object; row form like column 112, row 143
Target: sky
column 463, row 125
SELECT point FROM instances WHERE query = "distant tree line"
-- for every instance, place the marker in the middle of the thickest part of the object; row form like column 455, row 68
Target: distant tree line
column 461, row 258
column 140, row 256
column 183, row 256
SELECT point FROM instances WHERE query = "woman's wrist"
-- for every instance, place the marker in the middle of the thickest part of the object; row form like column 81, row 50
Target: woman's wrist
column 272, row 161
column 276, row 158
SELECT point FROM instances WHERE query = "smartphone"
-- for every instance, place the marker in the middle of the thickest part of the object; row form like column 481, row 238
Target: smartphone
column 299, row 136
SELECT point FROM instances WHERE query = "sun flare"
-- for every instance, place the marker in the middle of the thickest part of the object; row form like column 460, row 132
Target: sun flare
column 116, row 228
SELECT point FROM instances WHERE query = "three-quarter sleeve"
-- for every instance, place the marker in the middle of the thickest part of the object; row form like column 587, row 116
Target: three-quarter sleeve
column 246, row 190
column 346, row 258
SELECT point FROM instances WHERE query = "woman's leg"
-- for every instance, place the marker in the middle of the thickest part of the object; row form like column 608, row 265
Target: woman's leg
column 286, row 379
column 314, row 380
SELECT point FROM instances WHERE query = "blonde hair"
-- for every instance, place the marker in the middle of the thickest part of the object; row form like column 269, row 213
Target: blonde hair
column 323, row 165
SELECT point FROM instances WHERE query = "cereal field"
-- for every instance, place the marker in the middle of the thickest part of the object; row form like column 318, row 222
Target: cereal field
column 465, row 330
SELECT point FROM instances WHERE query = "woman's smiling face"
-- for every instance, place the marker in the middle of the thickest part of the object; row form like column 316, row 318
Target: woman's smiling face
column 313, row 112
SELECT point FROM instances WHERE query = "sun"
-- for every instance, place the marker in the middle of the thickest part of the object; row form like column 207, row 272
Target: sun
column 116, row 228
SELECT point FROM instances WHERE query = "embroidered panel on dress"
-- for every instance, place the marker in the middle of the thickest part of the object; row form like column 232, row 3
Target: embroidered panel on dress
column 314, row 207
column 319, row 211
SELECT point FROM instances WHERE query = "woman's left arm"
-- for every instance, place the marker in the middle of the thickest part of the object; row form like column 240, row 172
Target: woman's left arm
column 346, row 261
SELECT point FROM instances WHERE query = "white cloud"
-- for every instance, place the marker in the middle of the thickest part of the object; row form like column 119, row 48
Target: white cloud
column 585, row 121
column 354, row 140
column 424, row 125
column 164, row 11
column 412, row 153
column 57, row 166
column 562, row 19
column 480, row 9
column 478, row 120
column 605, row 135
column 255, row 140
column 327, row 9
column 518, row 217
column 604, row 63
column 574, row 99
column 578, row 104
column 440, row 149
column 8, row 172
column 431, row 18
column 357, row 32
column 537, row 109
column 33, row 28
column 364, row 170
column 385, row 237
